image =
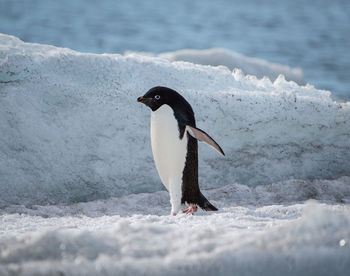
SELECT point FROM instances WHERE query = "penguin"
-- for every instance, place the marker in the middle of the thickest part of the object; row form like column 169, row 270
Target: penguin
column 174, row 138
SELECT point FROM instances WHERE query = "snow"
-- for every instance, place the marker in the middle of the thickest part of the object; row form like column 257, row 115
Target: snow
column 253, row 233
column 79, row 192
column 70, row 123
column 223, row 57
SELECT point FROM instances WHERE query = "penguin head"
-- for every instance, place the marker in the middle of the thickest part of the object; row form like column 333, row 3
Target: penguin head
column 157, row 96
column 160, row 95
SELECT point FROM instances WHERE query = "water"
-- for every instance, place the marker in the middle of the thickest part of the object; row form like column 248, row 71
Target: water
column 313, row 35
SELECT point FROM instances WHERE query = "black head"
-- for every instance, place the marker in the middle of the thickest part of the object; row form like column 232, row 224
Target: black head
column 159, row 95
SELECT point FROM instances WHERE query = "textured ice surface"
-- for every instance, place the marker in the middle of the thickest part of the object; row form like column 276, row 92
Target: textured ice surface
column 251, row 66
column 253, row 233
column 71, row 129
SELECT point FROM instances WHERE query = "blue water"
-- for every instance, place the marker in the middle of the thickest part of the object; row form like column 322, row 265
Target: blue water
column 313, row 35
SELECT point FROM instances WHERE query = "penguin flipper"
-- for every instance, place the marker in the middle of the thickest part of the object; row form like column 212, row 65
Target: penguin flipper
column 204, row 137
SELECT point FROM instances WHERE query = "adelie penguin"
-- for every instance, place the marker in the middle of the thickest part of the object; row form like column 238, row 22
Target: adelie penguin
column 175, row 150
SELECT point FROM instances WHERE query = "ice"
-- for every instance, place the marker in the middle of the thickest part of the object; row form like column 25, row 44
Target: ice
column 223, row 57
column 72, row 131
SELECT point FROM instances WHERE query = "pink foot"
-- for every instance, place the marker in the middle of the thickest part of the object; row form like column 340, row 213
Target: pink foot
column 192, row 209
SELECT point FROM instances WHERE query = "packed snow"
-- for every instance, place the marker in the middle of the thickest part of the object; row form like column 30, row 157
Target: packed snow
column 79, row 193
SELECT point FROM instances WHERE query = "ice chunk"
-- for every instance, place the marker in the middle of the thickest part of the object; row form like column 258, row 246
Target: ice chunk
column 71, row 129
column 252, row 66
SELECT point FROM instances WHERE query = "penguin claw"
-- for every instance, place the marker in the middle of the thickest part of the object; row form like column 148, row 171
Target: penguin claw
column 192, row 209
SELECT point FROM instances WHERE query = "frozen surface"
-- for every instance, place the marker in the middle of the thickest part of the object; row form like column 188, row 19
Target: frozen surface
column 71, row 129
column 268, row 230
column 251, row 66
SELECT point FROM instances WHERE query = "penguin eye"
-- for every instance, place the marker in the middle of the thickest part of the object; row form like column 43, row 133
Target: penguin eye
column 157, row 97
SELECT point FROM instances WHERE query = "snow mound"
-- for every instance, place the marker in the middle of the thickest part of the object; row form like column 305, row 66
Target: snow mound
column 223, row 57
column 71, row 129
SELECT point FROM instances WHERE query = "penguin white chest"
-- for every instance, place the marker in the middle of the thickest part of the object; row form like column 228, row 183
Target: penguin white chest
column 169, row 151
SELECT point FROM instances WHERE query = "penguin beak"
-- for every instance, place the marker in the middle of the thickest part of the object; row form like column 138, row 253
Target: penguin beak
column 144, row 100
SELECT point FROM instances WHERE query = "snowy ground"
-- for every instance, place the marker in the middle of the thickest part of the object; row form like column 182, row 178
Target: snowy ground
column 74, row 149
column 268, row 230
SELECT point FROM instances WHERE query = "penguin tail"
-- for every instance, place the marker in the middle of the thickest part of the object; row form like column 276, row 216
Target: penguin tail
column 205, row 204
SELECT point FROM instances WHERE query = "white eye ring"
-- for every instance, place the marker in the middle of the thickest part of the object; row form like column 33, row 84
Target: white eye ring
column 157, row 97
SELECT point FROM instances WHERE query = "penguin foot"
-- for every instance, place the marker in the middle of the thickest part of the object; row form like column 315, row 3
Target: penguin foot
column 192, row 209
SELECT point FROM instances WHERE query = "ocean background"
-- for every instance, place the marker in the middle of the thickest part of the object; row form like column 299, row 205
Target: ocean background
column 312, row 35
